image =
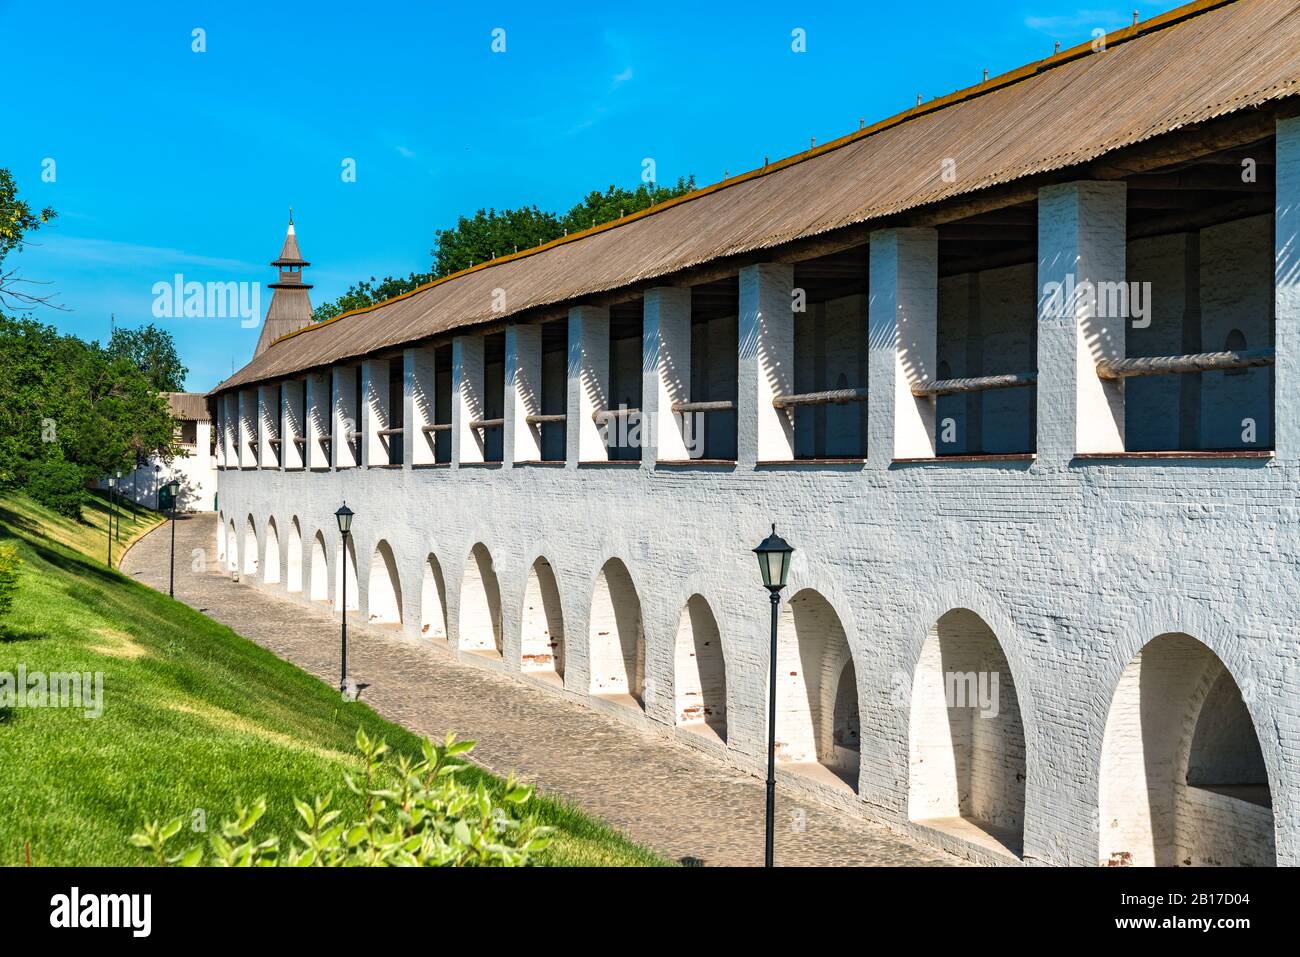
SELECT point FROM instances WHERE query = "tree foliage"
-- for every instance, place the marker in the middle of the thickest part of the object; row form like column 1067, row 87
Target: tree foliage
column 416, row 813
column 17, row 220
column 71, row 413
column 153, row 352
column 489, row 234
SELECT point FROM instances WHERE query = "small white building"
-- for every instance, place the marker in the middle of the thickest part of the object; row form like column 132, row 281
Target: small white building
column 194, row 466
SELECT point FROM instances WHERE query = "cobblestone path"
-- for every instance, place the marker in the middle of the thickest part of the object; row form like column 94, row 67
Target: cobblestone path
column 659, row 792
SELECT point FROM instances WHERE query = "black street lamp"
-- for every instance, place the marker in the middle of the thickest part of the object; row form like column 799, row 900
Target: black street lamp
column 173, row 488
column 157, row 489
column 118, row 535
column 344, row 516
column 774, row 563
column 112, row 483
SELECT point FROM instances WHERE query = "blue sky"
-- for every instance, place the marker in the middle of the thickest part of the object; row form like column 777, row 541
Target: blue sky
column 170, row 161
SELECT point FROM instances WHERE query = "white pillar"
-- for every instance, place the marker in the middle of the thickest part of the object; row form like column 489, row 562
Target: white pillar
column 1082, row 242
column 666, row 361
column 344, row 393
column 247, row 428
column 292, row 427
column 374, row 412
column 268, row 425
column 523, row 378
column 1286, row 333
column 903, row 336
column 219, row 422
column 230, row 429
column 588, row 383
column 763, row 432
column 466, row 399
column 319, row 424
column 419, row 388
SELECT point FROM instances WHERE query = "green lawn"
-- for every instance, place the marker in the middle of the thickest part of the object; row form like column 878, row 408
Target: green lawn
column 195, row 717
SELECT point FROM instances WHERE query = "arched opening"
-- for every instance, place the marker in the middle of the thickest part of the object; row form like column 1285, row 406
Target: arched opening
column 250, row 548
column 320, row 572
column 271, row 567
column 221, row 539
column 345, row 563
column 615, row 638
column 1182, row 778
column 967, row 741
column 479, row 625
column 433, row 601
column 384, row 595
column 812, row 658
column 542, row 634
column 293, row 568
column 700, row 671
column 232, row 549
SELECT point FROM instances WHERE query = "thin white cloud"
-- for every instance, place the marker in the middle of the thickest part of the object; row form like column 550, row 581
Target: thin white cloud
column 623, row 77
column 113, row 253
column 1081, row 21
column 405, row 151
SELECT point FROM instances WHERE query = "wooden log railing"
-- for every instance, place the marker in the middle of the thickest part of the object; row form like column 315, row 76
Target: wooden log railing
column 436, row 427
column 299, row 440
column 718, row 405
column 487, row 423
column 1115, row 369
column 601, row 416
column 396, row 431
column 547, row 418
column 829, row 397
column 984, row 383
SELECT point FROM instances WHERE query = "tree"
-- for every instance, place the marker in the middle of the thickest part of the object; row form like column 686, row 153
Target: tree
column 70, row 414
column 153, row 352
column 17, row 220
column 489, row 234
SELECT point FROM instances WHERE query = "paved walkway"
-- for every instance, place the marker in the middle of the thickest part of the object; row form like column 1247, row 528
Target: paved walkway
column 659, row 792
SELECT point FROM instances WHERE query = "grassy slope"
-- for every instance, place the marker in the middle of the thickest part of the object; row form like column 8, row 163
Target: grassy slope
column 194, row 715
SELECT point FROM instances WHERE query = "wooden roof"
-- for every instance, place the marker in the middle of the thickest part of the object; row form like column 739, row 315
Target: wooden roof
column 1200, row 62
column 187, row 406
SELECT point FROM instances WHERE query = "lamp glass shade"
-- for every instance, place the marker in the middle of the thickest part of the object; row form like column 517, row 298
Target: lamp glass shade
column 774, row 560
column 173, row 487
column 344, row 515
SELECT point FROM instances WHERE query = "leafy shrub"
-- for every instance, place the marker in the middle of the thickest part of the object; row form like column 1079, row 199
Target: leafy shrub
column 416, row 813
column 9, row 565
column 57, row 484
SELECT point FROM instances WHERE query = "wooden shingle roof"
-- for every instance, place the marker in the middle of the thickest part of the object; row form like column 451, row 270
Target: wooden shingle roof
column 1197, row 63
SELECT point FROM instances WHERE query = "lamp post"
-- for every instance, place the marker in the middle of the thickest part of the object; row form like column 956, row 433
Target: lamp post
column 173, row 487
column 157, row 489
column 774, row 564
column 112, row 483
column 344, row 516
column 118, row 535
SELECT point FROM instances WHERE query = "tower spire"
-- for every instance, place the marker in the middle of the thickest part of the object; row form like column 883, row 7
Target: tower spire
column 290, row 308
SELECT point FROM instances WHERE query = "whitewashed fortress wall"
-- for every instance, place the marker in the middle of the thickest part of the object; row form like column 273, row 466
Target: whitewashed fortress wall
column 1138, row 614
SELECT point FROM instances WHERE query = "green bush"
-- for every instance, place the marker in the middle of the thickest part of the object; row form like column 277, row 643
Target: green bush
column 416, row 814
column 57, row 484
column 9, row 565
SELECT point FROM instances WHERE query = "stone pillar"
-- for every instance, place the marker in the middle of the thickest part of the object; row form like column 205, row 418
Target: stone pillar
column 763, row 432
column 1286, row 333
column 418, row 396
column 247, row 428
column 268, row 425
column 319, row 421
column 344, row 421
column 230, row 428
column 1082, row 252
column 374, row 412
column 523, row 382
column 666, row 361
column 903, row 341
column 588, row 383
column 466, row 399
column 292, row 427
